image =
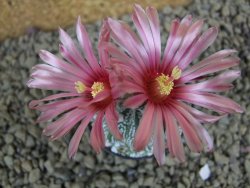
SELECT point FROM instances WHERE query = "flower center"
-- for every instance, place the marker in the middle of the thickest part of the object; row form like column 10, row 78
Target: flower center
column 97, row 87
column 80, row 87
column 165, row 82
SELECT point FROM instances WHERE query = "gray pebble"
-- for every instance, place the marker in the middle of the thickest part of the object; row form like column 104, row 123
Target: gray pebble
column 34, row 175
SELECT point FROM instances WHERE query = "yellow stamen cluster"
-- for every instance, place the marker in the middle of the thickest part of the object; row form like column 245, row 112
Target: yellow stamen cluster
column 176, row 73
column 165, row 83
column 80, row 87
column 97, row 87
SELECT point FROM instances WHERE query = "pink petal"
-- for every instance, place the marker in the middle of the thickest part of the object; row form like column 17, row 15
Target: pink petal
column 51, row 110
column 200, row 131
column 172, row 35
column 178, row 38
column 111, row 116
column 202, row 44
column 86, row 45
column 97, row 139
column 201, row 116
column 174, row 142
column 133, row 71
column 64, row 124
column 218, row 56
column 192, row 34
column 155, row 27
column 158, row 138
column 75, row 140
column 33, row 104
column 128, row 40
column 211, row 67
column 130, row 87
column 143, row 27
column 145, row 129
column 49, row 72
column 104, row 38
column 190, row 134
column 211, row 101
column 81, row 64
column 54, row 61
column 222, row 82
column 135, row 101
column 51, row 85
column 69, row 47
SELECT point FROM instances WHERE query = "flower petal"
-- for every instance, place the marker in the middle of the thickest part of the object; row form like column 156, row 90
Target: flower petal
column 75, row 140
column 145, row 129
column 178, row 38
column 111, row 117
column 135, row 101
column 211, row 67
column 200, row 131
column 158, row 138
column 86, row 45
column 206, row 39
column 211, row 101
column 33, row 104
column 222, row 82
column 189, row 38
column 173, row 138
column 97, row 139
column 218, row 56
column 190, row 134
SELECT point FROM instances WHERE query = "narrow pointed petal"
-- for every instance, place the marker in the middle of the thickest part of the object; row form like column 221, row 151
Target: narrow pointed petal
column 86, row 45
column 63, row 124
column 192, row 34
column 211, row 101
column 104, row 38
column 200, row 130
column 222, row 82
column 33, row 104
column 111, row 117
column 75, row 140
column 128, row 41
column 48, row 85
column 218, row 56
column 97, row 135
column 178, row 38
column 173, row 31
column 211, row 67
column 158, row 138
column 145, row 129
column 155, row 27
column 190, row 134
column 202, row 44
column 201, row 116
column 70, row 47
column 54, row 61
column 135, row 101
column 174, row 142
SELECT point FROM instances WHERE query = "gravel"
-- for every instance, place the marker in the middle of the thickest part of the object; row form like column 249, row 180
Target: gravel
column 28, row 159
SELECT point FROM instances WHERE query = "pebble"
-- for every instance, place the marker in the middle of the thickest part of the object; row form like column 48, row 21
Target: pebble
column 34, row 175
column 27, row 166
column 8, row 161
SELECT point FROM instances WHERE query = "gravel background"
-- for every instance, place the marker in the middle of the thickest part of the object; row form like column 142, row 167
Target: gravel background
column 28, row 159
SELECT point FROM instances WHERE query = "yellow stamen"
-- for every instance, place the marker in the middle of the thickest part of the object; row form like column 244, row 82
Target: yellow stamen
column 176, row 73
column 165, row 83
column 80, row 87
column 97, row 87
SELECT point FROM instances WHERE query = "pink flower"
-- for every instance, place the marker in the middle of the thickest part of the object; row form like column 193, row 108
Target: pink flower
column 86, row 87
column 167, row 84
